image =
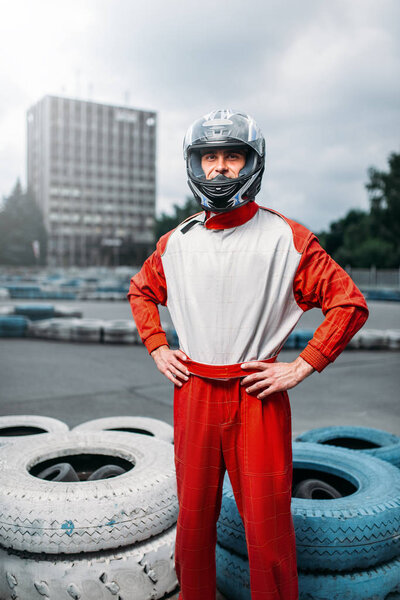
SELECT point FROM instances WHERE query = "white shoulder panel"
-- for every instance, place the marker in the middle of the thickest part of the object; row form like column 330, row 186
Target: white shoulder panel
column 230, row 291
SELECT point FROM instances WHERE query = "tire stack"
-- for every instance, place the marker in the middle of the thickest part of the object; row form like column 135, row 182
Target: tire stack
column 348, row 547
column 59, row 328
column 106, row 531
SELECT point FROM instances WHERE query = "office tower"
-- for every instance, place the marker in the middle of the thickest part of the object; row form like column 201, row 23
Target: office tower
column 92, row 169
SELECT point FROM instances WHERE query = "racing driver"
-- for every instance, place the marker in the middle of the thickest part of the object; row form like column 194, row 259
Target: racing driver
column 236, row 279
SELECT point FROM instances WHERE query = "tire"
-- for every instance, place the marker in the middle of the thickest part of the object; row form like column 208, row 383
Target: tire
column 378, row 443
column 233, row 581
column 13, row 326
column 314, row 489
column 59, row 472
column 392, row 339
column 35, row 312
column 88, row 330
column 144, row 425
column 39, row 329
column 120, row 332
column 356, row 531
column 62, row 328
column 86, row 516
column 18, row 428
column 106, row 472
column 141, row 571
column 371, row 339
column 67, row 312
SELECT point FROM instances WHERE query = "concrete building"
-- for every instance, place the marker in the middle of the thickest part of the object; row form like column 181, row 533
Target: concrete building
column 92, row 169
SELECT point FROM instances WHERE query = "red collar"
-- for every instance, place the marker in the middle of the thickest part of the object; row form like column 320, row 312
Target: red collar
column 233, row 218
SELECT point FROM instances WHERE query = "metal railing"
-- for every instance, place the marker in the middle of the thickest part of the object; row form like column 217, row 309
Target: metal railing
column 375, row 278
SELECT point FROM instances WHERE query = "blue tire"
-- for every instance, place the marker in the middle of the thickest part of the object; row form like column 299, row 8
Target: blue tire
column 378, row 443
column 34, row 312
column 13, row 326
column 233, row 580
column 357, row 531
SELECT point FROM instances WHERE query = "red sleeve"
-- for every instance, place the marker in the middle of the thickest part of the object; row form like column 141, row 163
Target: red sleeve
column 320, row 282
column 148, row 288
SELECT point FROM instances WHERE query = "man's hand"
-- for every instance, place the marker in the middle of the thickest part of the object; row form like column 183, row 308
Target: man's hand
column 169, row 364
column 275, row 377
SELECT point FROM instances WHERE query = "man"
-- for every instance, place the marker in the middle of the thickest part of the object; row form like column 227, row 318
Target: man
column 236, row 279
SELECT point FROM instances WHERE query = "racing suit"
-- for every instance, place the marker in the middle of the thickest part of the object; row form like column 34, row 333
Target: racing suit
column 236, row 284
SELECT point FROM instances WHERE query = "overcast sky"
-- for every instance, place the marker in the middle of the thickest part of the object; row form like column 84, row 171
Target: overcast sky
column 321, row 78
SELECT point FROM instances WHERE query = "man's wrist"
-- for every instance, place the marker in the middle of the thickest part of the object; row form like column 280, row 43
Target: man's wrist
column 158, row 348
column 303, row 368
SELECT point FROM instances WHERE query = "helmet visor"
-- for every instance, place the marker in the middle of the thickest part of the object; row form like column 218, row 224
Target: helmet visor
column 223, row 128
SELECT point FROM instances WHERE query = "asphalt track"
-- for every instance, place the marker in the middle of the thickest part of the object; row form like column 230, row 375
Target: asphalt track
column 76, row 382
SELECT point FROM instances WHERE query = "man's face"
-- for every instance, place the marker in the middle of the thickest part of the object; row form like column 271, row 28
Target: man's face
column 223, row 162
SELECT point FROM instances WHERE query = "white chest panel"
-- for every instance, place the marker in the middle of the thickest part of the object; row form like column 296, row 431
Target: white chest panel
column 230, row 291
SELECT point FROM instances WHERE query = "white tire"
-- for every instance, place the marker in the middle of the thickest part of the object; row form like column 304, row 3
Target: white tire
column 86, row 516
column 18, row 428
column 355, row 341
column 392, row 339
column 143, row 425
column 122, row 331
column 87, row 330
column 4, row 294
column 67, row 312
column 371, row 338
column 144, row 571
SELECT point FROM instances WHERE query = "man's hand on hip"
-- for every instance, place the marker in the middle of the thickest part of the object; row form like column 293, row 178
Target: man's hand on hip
column 275, row 377
column 169, row 364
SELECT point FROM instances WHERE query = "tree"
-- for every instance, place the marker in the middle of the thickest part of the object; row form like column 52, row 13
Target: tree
column 362, row 239
column 21, row 227
column 166, row 222
column 384, row 196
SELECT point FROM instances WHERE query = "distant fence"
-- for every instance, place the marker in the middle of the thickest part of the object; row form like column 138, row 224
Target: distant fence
column 375, row 278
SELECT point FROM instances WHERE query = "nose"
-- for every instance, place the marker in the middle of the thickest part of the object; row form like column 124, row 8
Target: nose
column 221, row 166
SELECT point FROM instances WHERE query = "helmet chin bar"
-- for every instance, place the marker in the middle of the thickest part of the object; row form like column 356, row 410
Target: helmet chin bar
column 229, row 198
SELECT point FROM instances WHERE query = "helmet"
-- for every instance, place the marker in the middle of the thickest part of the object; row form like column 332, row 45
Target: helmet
column 224, row 129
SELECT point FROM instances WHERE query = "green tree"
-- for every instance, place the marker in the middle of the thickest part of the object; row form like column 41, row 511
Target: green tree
column 21, row 224
column 166, row 222
column 384, row 196
column 365, row 239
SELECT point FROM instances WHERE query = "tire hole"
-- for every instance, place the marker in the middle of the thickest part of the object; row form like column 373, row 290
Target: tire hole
column 20, row 430
column 342, row 485
column 132, row 430
column 83, row 464
column 351, row 443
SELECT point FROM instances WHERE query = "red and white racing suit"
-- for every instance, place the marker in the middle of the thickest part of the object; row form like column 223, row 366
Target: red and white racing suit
column 236, row 284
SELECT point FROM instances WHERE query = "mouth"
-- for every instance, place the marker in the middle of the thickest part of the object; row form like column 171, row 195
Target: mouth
column 220, row 177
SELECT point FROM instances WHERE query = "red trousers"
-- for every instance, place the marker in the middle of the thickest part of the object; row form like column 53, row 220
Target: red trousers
column 218, row 426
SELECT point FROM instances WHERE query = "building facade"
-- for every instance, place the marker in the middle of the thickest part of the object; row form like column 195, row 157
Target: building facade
column 92, row 169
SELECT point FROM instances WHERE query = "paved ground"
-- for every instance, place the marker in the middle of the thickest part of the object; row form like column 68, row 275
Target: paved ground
column 76, row 382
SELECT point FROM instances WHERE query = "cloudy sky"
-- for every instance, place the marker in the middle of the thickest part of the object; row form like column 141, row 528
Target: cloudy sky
column 321, row 78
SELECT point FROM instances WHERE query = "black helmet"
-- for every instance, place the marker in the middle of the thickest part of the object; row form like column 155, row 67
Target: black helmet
column 224, row 129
